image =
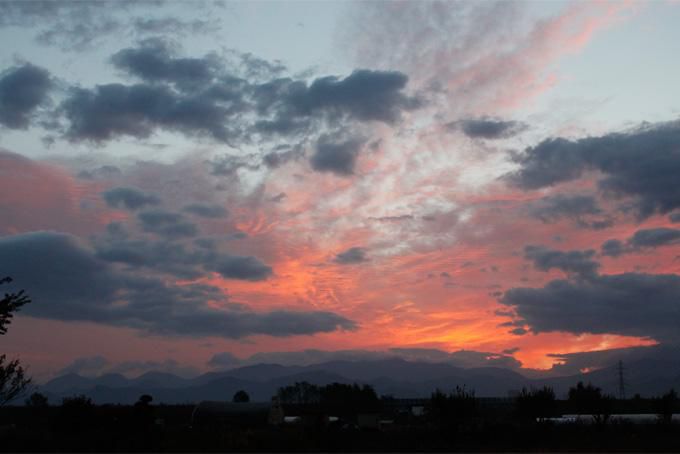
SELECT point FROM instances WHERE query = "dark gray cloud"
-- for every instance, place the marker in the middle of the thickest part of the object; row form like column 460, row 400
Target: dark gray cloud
column 63, row 278
column 555, row 207
column 163, row 256
column 137, row 368
column 242, row 323
column 70, row 25
column 352, row 256
column 629, row 304
column 622, row 159
column 578, row 263
column 206, row 211
column 574, row 363
column 488, row 128
column 282, row 155
column 103, row 172
column 86, row 366
column 224, row 360
column 22, row 90
column 178, row 259
column 96, row 366
column 641, row 240
column 113, row 110
column 241, row 101
column 471, row 358
column 613, row 248
column 166, row 223
column 155, row 61
column 129, row 198
column 172, row 26
column 241, row 267
column 653, row 238
column 230, row 109
column 66, row 281
column 226, row 100
column 336, row 157
column 308, row 357
column 364, row 95
column 581, row 209
column 460, row 358
column 259, row 69
column 116, row 230
column 26, row 13
column 550, row 162
column 674, row 217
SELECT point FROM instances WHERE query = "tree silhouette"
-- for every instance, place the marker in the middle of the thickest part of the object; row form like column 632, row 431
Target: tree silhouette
column 241, row 397
column 343, row 399
column 451, row 410
column 37, row 400
column 13, row 379
column 666, row 406
column 144, row 400
column 80, row 401
column 536, row 404
column 588, row 399
column 143, row 420
column 76, row 415
column 9, row 304
column 299, row 393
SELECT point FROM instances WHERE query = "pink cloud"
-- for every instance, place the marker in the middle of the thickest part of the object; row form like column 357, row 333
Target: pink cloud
column 40, row 196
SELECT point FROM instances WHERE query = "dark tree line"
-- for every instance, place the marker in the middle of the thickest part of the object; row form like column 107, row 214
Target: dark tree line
column 338, row 398
column 536, row 404
column 540, row 403
column 453, row 409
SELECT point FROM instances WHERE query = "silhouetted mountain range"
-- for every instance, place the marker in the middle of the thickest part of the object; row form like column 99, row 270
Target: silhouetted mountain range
column 397, row 377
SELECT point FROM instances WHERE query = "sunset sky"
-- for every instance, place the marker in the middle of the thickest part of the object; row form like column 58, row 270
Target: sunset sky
column 190, row 186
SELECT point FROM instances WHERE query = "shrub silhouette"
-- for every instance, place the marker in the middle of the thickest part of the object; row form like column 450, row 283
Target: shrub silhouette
column 241, row 397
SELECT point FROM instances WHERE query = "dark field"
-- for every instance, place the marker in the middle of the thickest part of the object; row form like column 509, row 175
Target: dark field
column 485, row 425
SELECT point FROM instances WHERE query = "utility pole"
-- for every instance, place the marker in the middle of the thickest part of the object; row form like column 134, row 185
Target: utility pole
column 622, row 383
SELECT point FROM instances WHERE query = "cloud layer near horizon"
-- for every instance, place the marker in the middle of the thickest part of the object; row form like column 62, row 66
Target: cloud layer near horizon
column 68, row 282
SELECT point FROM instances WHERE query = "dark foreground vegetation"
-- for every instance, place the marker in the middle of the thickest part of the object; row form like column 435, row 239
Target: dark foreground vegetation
column 337, row 417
